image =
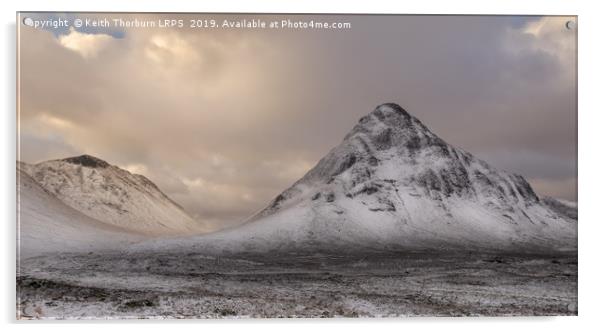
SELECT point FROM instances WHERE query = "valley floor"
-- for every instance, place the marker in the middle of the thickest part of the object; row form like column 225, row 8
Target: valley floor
column 181, row 285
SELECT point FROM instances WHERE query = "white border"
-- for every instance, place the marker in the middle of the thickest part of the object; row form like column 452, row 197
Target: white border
column 589, row 155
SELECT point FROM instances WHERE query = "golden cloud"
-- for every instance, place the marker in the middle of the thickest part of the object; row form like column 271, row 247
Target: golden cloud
column 85, row 44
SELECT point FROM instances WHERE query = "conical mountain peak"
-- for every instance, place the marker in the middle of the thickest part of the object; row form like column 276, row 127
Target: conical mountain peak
column 389, row 125
column 392, row 184
column 390, row 158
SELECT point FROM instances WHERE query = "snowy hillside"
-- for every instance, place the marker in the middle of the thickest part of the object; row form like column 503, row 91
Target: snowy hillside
column 562, row 207
column 48, row 225
column 112, row 195
column 393, row 184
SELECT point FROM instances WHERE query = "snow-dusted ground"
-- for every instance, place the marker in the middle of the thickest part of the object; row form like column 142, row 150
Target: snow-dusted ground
column 189, row 285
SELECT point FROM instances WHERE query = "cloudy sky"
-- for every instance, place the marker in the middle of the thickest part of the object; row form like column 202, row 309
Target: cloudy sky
column 223, row 120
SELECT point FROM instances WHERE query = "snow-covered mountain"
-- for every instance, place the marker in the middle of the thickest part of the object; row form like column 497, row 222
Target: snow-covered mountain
column 112, row 195
column 47, row 225
column 392, row 184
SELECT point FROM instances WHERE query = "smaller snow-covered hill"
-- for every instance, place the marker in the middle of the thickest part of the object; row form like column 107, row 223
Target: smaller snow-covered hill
column 112, row 195
column 47, row 225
